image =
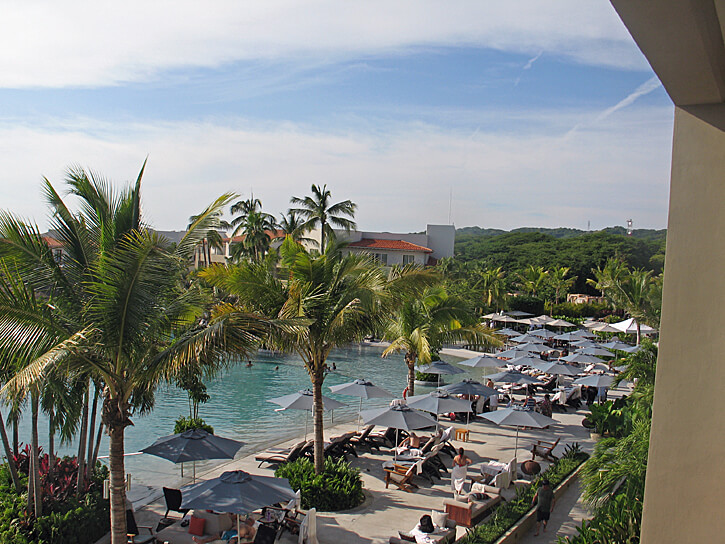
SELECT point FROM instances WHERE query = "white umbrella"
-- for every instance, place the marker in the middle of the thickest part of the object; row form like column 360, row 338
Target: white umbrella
column 527, row 338
column 363, row 389
column 303, row 400
column 543, row 333
column 482, row 361
column 514, row 417
column 519, row 313
column 604, row 327
column 560, row 323
column 580, row 358
column 508, row 332
column 398, row 416
column 630, row 327
column 595, row 380
column 557, row 368
column 599, row 352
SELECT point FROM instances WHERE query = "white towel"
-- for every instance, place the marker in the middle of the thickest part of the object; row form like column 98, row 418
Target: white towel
column 458, row 478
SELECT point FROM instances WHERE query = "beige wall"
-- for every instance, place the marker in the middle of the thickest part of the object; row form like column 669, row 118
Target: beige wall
column 685, row 491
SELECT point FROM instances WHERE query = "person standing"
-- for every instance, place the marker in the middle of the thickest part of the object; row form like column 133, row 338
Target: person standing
column 544, row 499
column 459, row 471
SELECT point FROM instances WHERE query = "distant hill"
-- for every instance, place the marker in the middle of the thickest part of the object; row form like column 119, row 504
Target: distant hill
column 564, row 232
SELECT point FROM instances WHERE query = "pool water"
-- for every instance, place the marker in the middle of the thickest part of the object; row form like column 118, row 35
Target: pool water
column 238, row 407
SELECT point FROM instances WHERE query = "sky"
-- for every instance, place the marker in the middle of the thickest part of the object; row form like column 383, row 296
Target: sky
column 491, row 114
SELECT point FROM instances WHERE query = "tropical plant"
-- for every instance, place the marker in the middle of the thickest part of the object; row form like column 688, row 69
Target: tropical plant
column 116, row 309
column 190, row 423
column 492, row 283
column 425, row 321
column 293, row 227
column 533, row 279
column 316, row 210
column 560, row 282
column 338, row 487
column 339, row 299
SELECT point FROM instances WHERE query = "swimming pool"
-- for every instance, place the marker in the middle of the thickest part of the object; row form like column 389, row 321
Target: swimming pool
column 238, row 407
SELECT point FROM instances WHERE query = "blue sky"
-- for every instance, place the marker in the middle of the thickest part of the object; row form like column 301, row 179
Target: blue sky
column 523, row 114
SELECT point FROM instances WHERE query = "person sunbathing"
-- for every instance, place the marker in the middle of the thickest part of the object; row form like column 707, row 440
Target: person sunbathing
column 412, row 442
column 246, row 531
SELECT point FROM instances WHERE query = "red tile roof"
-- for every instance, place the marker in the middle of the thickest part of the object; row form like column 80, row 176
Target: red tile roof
column 273, row 235
column 52, row 242
column 394, row 245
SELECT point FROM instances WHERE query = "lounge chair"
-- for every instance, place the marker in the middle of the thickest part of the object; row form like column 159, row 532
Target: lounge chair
column 401, row 476
column 340, row 446
column 172, row 497
column 544, row 450
column 387, row 437
column 277, row 456
column 307, row 527
column 133, row 531
column 365, row 439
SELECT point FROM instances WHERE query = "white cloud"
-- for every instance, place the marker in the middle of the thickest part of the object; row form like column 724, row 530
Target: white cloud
column 400, row 175
column 75, row 43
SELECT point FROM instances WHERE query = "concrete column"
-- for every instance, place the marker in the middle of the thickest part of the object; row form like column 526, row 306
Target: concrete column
column 685, row 491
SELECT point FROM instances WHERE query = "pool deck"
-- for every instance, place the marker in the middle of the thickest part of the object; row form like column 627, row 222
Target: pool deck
column 387, row 511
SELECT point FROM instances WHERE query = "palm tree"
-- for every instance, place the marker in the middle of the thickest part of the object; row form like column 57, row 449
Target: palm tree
column 293, row 227
column 492, row 282
column 338, row 298
column 241, row 209
column 316, row 210
column 117, row 310
column 559, row 281
column 424, row 323
column 533, row 279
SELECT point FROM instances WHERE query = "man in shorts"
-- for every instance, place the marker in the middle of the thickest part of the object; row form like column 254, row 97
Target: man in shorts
column 544, row 499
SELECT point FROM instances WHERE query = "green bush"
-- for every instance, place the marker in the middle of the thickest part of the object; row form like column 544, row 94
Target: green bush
column 190, row 423
column 511, row 512
column 339, row 487
column 72, row 521
column 425, row 377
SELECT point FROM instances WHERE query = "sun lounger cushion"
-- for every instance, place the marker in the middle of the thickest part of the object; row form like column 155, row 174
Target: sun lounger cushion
column 196, row 526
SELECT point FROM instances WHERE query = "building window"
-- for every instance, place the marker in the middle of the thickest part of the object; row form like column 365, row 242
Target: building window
column 408, row 259
column 381, row 258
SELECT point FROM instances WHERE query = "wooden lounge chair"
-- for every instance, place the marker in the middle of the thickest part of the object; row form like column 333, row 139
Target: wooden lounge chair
column 401, row 476
column 544, row 450
column 363, row 439
column 133, row 531
column 277, row 456
column 340, row 446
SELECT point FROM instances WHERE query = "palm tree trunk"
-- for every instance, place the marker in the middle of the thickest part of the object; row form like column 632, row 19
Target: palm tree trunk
column 9, row 456
column 35, row 456
column 91, row 437
column 317, row 379
column 16, row 438
column 51, row 442
column 118, row 485
column 94, row 459
column 410, row 361
column 82, row 443
column 639, row 332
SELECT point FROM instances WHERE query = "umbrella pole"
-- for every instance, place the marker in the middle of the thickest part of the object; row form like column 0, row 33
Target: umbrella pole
column 516, row 447
column 395, row 446
column 182, row 470
column 193, row 465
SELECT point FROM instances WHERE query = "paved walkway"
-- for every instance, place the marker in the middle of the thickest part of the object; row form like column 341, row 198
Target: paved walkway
column 567, row 515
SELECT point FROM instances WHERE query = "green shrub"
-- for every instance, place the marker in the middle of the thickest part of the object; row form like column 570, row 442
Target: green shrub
column 190, row 423
column 425, row 377
column 511, row 512
column 339, row 487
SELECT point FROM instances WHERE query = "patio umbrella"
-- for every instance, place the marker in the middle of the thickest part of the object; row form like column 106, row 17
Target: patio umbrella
column 511, row 376
column 527, row 338
column 363, row 389
column 504, row 319
column 514, row 417
column 482, row 361
column 193, row 445
column 512, row 353
column 508, row 332
column 527, row 360
column 398, row 416
column 303, row 400
column 439, row 402
column 580, row 358
column 237, row 492
column 616, row 345
column 630, row 327
column 519, row 313
column 557, row 368
column 534, row 348
column 492, row 315
column 469, row 387
column 599, row 352
column 632, row 349
column 543, row 333
column 604, row 327
column 440, row 368
column 595, row 380
column 560, row 323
